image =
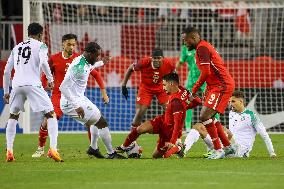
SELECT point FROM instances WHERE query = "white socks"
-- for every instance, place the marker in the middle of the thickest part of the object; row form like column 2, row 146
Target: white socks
column 208, row 142
column 10, row 133
column 52, row 126
column 106, row 137
column 191, row 138
column 94, row 137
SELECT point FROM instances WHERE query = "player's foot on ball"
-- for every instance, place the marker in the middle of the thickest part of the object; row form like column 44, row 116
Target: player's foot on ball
column 121, row 149
column 95, row 152
column 229, row 150
column 10, row 156
column 54, row 155
column 115, row 155
column 39, row 152
column 181, row 153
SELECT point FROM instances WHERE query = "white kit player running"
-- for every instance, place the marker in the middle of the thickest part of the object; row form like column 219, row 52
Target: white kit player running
column 73, row 102
column 28, row 58
column 244, row 125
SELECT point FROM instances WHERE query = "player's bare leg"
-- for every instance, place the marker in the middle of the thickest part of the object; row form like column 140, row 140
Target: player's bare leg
column 140, row 112
column 10, row 136
column 157, row 154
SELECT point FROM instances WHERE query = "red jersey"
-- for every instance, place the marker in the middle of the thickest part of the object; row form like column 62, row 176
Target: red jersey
column 175, row 112
column 212, row 68
column 152, row 78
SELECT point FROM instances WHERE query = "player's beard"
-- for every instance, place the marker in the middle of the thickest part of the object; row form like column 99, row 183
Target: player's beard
column 191, row 47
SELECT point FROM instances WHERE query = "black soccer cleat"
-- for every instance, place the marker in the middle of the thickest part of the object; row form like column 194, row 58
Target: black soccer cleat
column 119, row 149
column 95, row 152
column 115, row 155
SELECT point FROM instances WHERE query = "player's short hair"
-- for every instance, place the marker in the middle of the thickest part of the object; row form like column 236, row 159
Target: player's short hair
column 157, row 52
column 92, row 47
column 34, row 29
column 173, row 76
column 238, row 94
column 190, row 29
column 69, row 36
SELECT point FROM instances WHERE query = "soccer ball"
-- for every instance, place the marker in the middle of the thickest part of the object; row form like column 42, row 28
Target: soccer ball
column 135, row 151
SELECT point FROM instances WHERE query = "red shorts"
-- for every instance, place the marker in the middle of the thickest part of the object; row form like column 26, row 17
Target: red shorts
column 165, row 133
column 145, row 96
column 217, row 99
column 55, row 99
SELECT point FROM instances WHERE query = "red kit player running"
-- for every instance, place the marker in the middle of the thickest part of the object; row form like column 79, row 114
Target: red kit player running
column 220, row 86
column 169, row 125
column 152, row 71
column 58, row 64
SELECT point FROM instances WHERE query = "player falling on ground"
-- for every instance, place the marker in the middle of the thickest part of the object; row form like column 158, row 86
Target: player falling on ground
column 244, row 125
column 28, row 58
column 169, row 126
column 58, row 64
column 73, row 102
column 152, row 70
column 220, row 86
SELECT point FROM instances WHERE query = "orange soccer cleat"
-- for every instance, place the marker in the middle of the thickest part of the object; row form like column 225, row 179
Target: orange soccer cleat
column 54, row 155
column 171, row 151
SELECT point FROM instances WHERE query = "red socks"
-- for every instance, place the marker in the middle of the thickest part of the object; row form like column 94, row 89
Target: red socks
column 212, row 131
column 132, row 136
column 221, row 134
column 42, row 137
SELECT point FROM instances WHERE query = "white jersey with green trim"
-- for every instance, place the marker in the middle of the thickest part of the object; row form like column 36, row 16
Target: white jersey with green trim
column 28, row 58
column 245, row 126
column 75, row 81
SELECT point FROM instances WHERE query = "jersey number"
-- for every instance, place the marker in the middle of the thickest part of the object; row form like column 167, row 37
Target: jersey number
column 25, row 53
column 212, row 98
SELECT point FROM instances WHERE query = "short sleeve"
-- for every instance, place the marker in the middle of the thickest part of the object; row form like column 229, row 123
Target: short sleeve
column 203, row 55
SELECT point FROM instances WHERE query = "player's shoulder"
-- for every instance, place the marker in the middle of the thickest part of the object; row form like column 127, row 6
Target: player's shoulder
column 56, row 55
column 250, row 113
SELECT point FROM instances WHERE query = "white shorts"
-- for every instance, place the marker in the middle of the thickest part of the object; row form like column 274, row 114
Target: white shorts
column 91, row 110
column 36, row 96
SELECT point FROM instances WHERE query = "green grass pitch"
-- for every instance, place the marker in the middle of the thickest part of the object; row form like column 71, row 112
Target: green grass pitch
column 80, row 171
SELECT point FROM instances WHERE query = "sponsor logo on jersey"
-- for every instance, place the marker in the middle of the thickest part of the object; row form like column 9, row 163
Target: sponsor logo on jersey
column 138, row 98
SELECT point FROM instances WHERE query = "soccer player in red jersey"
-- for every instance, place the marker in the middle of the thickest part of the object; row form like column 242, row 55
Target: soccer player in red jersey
column 169, row 125
column 220, row 86
column 58, row 64
column 152, row 70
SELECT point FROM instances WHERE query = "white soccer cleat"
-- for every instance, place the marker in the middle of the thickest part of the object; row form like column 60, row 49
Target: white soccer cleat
column 39, row 152
column 217, row 154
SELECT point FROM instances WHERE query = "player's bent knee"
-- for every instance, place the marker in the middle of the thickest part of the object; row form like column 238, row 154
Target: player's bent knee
column 49, row 115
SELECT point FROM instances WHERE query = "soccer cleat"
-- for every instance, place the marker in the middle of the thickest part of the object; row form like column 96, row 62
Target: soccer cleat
column 171, row 151
column 181, row 153
column 121, row 149
column 217, row 154
column 10, row 156
column 39, row 152
column 54, row 155
column 115, row 155
column 209, row 153
column 95, row 152
column 229, row 150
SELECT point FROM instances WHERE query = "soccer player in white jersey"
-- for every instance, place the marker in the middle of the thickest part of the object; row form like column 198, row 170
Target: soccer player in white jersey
column 28, row 58
column 73, row 102
column 244, row 125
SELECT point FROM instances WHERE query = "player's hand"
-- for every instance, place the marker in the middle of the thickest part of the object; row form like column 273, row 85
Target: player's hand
column 105, row 96
column 49, row 86
column 6, row 98
column 106, row 59
column 80, row 112
column 124, row 91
